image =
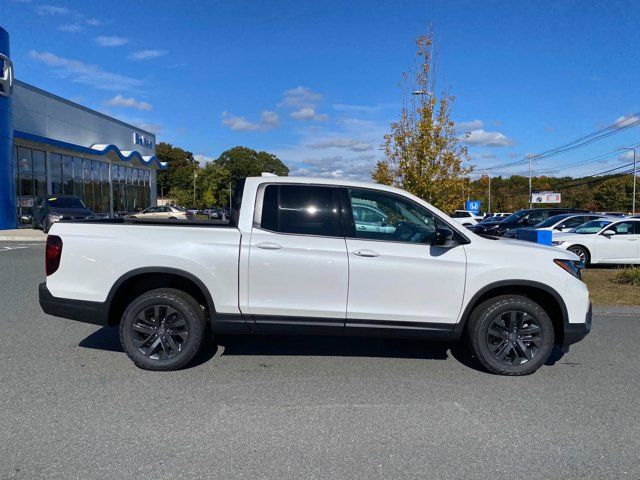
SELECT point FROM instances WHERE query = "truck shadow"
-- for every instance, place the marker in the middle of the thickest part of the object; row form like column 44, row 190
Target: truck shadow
column 107, row 339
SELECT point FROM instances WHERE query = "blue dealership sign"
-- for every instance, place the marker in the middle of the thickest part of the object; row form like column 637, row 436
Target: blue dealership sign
column 472, row 206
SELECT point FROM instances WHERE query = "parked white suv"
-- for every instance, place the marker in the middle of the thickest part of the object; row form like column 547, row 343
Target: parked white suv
column 294, row 259
column 464, row 217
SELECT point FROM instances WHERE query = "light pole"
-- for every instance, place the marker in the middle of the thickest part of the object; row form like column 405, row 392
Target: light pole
column 530, row 204
column 489, row 202
column 195, row 175
column 633, row 199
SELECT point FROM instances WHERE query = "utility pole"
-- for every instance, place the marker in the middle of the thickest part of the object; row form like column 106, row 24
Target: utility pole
column 489, row 203
column 530, row 204
column 229, row 196
column 635, row 173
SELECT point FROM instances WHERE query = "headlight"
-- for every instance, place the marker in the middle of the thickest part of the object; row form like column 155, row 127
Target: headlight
column 557, row 243
column 572, row 267
column 54, row 217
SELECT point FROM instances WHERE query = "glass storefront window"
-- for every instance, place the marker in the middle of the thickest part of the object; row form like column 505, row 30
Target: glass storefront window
column 67, row 186
column 26, row 185
column 41, row 186
column 77, row 168
column 24, row 160
column 39, row 162
column 67, row 166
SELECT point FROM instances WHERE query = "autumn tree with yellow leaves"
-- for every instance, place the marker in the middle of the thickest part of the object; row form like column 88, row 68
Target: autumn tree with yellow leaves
column 423, row 152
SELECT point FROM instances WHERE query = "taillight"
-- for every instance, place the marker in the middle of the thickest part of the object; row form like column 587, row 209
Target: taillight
column 52, row 254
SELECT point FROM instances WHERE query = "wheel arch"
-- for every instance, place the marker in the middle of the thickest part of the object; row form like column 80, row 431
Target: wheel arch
column 548, row 298
column 141, row 280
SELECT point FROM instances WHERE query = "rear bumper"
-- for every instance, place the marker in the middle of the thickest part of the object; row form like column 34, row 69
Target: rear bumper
column 574, row 332
column 96, row 313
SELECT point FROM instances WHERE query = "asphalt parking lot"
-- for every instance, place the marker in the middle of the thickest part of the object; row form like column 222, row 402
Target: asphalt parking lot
column 73, row 406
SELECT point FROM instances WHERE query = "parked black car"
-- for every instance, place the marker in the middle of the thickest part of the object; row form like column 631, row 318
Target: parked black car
column 52, row 208
column 519, row 219
column 564, row 222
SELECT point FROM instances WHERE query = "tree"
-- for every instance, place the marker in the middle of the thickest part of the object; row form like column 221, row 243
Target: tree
column 423, row 153
column 243, row 162
column 180, row 170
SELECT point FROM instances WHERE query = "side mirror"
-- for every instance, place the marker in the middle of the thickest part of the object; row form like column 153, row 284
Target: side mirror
column 443, row 237
column 608, row 233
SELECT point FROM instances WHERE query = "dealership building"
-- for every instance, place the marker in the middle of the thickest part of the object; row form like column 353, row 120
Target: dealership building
column 53, row 146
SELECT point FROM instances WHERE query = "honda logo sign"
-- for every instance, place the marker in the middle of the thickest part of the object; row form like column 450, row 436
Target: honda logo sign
column 6, row 76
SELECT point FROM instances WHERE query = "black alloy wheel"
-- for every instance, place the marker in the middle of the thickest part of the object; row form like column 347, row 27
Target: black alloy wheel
column 163, row 329
column 514, row 337
column 510, row 335
column 159, row 332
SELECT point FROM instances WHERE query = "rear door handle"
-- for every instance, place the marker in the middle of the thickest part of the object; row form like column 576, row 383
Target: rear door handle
column 366, row 253
column 269, row 246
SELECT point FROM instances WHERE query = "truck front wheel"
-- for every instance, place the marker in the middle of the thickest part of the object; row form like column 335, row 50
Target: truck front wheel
column 162, row 329
column 510, row 335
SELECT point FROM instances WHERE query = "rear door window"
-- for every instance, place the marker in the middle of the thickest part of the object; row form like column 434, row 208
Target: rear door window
column 301, row 209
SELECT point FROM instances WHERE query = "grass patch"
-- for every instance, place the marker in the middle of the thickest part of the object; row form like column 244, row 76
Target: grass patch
column 629, row 276
column 605, row 288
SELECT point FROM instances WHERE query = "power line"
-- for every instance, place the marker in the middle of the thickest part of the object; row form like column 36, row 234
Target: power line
column 580, row 142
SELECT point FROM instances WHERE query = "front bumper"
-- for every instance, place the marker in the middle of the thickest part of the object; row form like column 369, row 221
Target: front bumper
column 574, row 332
column 96, row 313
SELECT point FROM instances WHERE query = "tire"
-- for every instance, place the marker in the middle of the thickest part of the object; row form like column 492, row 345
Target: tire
column 168, row 324
column 582, row 252
column 46, row 226
column 500, row 315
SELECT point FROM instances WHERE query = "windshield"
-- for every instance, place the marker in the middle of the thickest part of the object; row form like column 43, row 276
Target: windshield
column 551, row 221
column 594, row 226
column 180, row 209
column 514, row 217
column 65, row 202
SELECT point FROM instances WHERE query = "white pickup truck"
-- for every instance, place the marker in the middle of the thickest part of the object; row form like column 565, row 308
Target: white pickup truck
column 315, row 256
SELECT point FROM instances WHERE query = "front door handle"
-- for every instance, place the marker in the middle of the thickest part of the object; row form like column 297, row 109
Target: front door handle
column 632, row 239
column 366, row 253
column 269, row 246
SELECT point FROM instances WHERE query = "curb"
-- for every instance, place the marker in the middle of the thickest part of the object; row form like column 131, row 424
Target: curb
column 614, row 310
column 24, row 238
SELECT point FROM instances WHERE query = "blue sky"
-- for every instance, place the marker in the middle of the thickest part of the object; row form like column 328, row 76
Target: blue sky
column 317, row 82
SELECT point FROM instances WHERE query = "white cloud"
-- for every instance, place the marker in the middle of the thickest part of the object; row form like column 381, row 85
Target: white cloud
column 52, row 10
column 84, row 73
column 71, row 28
column 110, row 41
column 268, row 120
column 364, row 109
column 203, row 159
column 347, row 143
column 488, row 139
column 94, row 22
column 338, row 166
column 628, row 155
column 626, row 121
column 469, row 126
column 300, row 97
column 147, row 54
column 121, row 101
column 308, row 113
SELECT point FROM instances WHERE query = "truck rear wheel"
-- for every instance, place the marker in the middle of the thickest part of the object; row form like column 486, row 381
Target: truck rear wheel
column 510, row 335
column 162, row 329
